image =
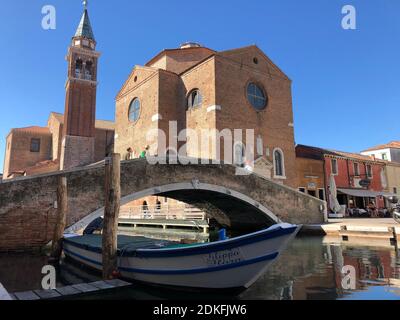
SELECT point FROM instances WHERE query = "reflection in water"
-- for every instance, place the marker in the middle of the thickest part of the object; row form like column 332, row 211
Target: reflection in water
column 19, row 272
column 309, row 269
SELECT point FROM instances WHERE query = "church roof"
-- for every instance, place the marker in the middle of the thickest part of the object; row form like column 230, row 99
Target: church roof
column 85, row 28
column 32, row 129
column 180, row 51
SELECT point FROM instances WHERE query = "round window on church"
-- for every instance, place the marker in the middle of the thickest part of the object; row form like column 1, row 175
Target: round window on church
column 134, row 110
column 256, row 96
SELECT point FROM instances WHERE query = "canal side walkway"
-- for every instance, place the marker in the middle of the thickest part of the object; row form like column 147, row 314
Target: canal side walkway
column 69, row 292
column 4, row 295
column 349, row 229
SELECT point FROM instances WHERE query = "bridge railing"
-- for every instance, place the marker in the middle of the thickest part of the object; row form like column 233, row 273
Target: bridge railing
column 166, row 211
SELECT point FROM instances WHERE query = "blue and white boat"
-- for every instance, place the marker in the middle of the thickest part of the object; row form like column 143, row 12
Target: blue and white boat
column 229, row 264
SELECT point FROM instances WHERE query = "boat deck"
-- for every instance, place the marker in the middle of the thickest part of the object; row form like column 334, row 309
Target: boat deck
column 125, row 243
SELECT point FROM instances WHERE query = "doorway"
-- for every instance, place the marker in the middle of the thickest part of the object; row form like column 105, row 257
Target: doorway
column 312, row 193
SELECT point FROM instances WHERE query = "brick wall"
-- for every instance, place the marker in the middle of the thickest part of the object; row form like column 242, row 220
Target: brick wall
column 56, row 129
column 171, row 106
column 274, row 124
column 80, row 109
column 310, row 174
column 103, row 144
column 77, row 152
column 129, row 134
column 19, row 155
column 201, row 77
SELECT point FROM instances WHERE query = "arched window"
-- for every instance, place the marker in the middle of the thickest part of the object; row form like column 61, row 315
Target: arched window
column 256, row 96
column 194, row 99
column 279, row 163
column 88, row 70
column 134, row 110
column 78, row 68
column 239, row 156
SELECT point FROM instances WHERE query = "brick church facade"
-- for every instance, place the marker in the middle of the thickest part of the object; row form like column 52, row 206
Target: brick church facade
column 71, row 139
column 199, row 89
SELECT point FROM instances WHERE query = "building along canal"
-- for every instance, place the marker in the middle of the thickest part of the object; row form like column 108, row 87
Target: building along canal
column 311, row 268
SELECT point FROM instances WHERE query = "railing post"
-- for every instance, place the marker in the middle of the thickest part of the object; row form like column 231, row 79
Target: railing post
column 62, row 208
column 111, row 212
column 167, row 215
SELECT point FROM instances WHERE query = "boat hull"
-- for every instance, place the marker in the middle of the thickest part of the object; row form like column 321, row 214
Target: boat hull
column 234, row 263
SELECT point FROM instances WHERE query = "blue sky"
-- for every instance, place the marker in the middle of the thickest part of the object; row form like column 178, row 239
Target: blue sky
column 346, row 91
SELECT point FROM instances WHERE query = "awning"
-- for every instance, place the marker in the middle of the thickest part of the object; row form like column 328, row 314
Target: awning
column 366, row 193
column 360, row 193
column 388, row 195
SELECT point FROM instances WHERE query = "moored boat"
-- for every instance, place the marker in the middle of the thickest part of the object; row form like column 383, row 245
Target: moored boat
column 229, row 264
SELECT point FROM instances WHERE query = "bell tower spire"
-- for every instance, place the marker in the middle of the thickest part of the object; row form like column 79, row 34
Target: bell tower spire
column 80, row 102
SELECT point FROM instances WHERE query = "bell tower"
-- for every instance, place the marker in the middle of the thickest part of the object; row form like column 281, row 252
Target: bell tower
column 80, row 101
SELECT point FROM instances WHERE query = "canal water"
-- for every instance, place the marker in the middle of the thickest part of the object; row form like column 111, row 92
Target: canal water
column 311, row 268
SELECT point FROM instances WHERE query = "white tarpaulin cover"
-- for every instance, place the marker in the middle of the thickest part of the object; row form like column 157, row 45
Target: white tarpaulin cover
column 333, row 203
column 383, row 179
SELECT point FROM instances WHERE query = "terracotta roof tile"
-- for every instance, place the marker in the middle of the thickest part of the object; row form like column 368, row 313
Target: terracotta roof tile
column 33, row 129
column 310, row 152
column 390, row 145
column 100, row 124
column 51, row 164
column 184, row 50
column 352, row 155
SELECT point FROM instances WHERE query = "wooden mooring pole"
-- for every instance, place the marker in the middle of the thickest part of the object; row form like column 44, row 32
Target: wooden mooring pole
column 111, row 213
column 62, row 208
column 393, row 239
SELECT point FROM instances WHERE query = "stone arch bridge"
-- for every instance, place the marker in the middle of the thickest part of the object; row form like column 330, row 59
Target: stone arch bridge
column 28, row 205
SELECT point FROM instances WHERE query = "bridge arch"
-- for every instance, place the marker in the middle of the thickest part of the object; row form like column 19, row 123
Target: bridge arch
column 247, row 201
column 189, row 192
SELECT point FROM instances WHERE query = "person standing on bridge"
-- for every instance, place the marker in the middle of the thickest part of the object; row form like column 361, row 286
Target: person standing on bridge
column 145, row 152
column 130, row 155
